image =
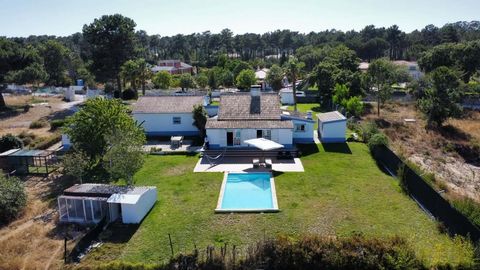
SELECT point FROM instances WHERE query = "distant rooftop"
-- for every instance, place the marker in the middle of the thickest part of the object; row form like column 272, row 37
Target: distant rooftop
column 243, row 106
column 166, row 104
column 114, row 193
column 330, row 117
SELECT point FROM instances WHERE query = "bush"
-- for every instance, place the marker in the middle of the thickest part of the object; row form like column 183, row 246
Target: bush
column 13, row 198
column 27, row 137
column 129, row 94
column 55, row 124
column 38, row 124
column 377, row 140
column 10, row 141
column 368, row 130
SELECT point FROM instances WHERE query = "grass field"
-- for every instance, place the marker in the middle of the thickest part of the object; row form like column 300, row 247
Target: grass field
column 341, row 192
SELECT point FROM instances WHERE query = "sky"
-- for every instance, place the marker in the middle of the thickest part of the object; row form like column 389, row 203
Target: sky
column 22, row 18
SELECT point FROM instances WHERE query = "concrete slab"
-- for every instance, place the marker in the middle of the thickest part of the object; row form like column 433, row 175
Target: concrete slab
column 244, row 164
column 165, row 146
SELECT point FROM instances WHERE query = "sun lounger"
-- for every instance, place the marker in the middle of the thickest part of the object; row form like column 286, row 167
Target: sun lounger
column 268, row 163
column 256, row 163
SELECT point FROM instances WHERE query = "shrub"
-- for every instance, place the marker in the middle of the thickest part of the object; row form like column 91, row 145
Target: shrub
column 55, row 124
column 10, row 141
column 38, row 124
column 377, row 140
column 129, row 94
column 368, row 130
column 13, row 198
column 45, row 142
column 27, row 137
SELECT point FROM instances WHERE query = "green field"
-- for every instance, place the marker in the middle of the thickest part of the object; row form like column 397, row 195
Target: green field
column 341, row 192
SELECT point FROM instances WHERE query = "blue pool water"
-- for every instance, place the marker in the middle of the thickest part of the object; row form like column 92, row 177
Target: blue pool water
column 247, row 191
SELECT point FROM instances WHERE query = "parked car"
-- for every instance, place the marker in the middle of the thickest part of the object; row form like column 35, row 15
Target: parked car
column 300, row 94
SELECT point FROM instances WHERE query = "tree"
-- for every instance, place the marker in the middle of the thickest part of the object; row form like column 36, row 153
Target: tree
column 144, row 73
column 162, row 79
column 34, row 74
column 130, row 72
column 92, row 137
column 10, row 141
column 275, row 77
column 13, row 198
column 323, row 76
column 200, row 118
column 246, row 79
column 55, row 57
column 186, row 81
column 201, row 80
column 354, row 106
column 441, row 101
column 340, row 96
column 125, row 155
column 111, row 43
column 75, row 164
column 293, row 69
column 382, row 75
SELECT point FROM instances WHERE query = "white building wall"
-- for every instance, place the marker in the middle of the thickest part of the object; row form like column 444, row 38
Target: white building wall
column 286, row 98
column 218, row 137
column 303, row 135
column 162, row 123
column 134, row 213
column 332, row 131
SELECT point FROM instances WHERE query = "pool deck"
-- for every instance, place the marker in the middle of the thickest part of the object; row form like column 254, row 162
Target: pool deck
column 244, row 164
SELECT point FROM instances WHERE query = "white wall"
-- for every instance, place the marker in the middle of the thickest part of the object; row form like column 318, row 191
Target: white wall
column 134, row 213
column 307, row 134
column 218, row 137
column 286, row 98
column 66, row 141
column 163, row 123
column 333, row 130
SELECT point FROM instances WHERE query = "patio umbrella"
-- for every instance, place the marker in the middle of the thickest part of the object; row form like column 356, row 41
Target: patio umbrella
column 264, row 144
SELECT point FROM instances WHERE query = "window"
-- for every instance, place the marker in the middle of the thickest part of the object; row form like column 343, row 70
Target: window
column 177, row 120
column 237, row 140
column 299, row 128
column 267, row 134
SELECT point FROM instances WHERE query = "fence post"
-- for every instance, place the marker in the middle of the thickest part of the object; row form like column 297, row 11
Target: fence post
column 65, row 250
column 171, row 244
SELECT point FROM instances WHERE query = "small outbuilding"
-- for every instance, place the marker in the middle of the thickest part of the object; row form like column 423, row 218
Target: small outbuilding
column 332, row 127
column 286, row 96
column 91, row 203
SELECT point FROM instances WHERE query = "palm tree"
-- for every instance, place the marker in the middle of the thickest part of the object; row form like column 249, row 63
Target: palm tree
column 144, row 73
column 293, row 69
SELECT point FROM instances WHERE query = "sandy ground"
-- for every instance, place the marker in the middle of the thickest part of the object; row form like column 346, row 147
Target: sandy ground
column 433, row 150
column 42, row 107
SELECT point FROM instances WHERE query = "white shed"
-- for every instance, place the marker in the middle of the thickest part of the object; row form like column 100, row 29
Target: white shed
column 135, row 204
column 332, row 127
column 286, row 96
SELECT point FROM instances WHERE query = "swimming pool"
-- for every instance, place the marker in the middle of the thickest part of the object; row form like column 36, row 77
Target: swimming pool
column 247, row 192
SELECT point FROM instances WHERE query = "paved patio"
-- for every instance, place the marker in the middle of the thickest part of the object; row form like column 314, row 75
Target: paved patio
column 244, row 164
column 166, row 146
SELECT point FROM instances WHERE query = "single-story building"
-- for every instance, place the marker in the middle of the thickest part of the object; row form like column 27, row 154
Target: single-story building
column 90, row 203
column 172, row 67
column 286, row 96
column 244, row 116
column 332, row 127
column 27, row 161
column 167, row 115
column 303, row 126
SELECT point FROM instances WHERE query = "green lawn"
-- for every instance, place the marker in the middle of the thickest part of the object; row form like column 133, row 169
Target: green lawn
column 339, row 193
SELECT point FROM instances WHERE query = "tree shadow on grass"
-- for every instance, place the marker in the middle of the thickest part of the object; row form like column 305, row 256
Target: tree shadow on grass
column 118, row 233
column 337, row 148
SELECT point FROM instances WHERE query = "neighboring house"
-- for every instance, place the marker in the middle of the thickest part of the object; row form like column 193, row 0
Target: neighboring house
column 261, row 75
column 332, row 127
column 303, row 126
column 411, row 66
column 244, row 116
column 90, row 203
column 286, row 96
column 172, row 67
column 167, row 115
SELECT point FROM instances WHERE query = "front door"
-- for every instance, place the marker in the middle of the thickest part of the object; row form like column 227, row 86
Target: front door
column 229, row 138
column 259, row 134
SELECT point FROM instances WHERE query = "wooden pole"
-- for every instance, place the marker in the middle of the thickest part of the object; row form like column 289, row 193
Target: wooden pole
column 65, row 250
column 171, row 245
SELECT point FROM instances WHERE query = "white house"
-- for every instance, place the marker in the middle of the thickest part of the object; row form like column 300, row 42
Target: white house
column 167, row 115
column 286, row 96
column 303, row 126
column 244, row 116
column 90, row 203
column 332, row 127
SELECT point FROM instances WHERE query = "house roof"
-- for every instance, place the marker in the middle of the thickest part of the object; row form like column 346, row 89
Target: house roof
column 254, row 124
column 261, row 73
column 115, row 194
column 331, row 116
column 166, row 104
column 296, row 115
column 242, row 106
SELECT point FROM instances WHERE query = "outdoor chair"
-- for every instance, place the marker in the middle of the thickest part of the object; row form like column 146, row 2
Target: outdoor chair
column 256, row 163
column 268, row 163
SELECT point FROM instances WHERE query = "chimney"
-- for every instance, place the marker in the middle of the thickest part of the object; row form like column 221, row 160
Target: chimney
column 309, row 115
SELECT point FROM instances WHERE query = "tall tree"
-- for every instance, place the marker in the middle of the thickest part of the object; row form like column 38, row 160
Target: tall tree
column 293, row 68
column 55, row 57
column 246, row 79
column 275, row 77
column 162, row 79
column 441, row 101
column 382, row 75
column 111, row 41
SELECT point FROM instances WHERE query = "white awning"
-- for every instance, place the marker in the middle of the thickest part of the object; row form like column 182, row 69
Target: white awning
column 264, row 144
